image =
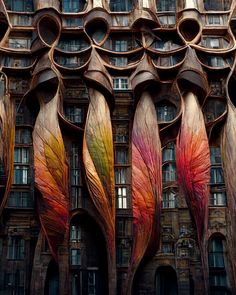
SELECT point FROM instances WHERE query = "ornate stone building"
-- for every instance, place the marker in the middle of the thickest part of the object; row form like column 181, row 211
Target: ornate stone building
column 117, row 147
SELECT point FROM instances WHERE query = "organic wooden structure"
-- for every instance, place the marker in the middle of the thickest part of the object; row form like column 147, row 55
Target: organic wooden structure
column 121, row 177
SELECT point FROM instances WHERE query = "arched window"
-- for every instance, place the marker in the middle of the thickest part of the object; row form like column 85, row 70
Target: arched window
column 166, row 281
column 217, row 272
column 121, row 5
column 166, row 111
column 165, row 5
column 73, row 5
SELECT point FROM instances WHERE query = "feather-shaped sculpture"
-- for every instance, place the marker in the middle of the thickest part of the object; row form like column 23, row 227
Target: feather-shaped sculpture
column 7, row 137
column 229, row 162
column 146, row 184
column 51, row 173
column 193, row 168
column 98, row 159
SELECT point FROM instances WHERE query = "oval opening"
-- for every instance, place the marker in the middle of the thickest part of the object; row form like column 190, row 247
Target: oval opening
column 97, row 30
column 3, row 26
column 48, row 30
column 189, row 29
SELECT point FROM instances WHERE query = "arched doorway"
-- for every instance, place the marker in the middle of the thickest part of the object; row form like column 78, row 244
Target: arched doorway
column 166, row 281
column 52, row 279
column 88, row 258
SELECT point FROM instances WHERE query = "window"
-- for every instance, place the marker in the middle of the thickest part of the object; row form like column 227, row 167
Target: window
column 169, row 199
column 169, row 172
column 215, row 61
column 15, row 282
column 75, row 284
column 167, row 248
column 216, row 88
column 167, row 20
column 20, row 200
column 165, row 45
column 166, row 5
column 75, row 233
column 120, row 83
column 168, row 152
column 121, row 5
column 21, row 155
column 213, row 109
column 73, row 5
column 121, row 156
column 216, row 253
column 215, row 20
column 119, row 61
column 120, row 20
column 120, row 175
column 214, row 42
column 218, row 199
column 215, row 155
column 217, row 176
column 23, row 136
column 121, row 195
column 20, row 5
column 19, row 43
column 74, row 114
column 16, row 248
column 21, row 175
column 75, row 257
column 166, row 111
column 72, row 45
column 217, row 4
column 76, row 197
column 121, row 134
column 123, row 227
column 21, row 20
column 123, row 252
column 120, row 45
column 92, row 282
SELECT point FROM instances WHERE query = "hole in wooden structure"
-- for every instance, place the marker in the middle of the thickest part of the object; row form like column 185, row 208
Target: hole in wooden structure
column 48, row 30
column 3, row 26
column 189, row 29
column 97, row 30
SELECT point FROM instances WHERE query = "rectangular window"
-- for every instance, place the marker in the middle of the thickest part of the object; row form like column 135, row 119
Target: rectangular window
column 123, row 252
column 123, row 227
column 75, row 233
column 218, row 199
column 121, row 196
column 215, row 20
column 167, row 20
column 76, row 197
column 21, row 175
column 169, row 200
column 16, row 248
column 121, row 134
column 121, row 175
column 120, row 83
column 23, row 136
column 20, row 200
column 215, row 155
column 217, row 176
column 19, row 5
column 75, row 257
column 119, row 61
column 121, row 156
column 15, row 282
column 92, row 282
column 120, row 21
column 166, row 5
column 19, row 43
column 71, row 6
column 74, row 114
column 167, row 248
column 21, row 155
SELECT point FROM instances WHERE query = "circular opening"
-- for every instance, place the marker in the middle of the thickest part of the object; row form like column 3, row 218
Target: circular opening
column 97, row 30
column 48, row 30
column 189, row 29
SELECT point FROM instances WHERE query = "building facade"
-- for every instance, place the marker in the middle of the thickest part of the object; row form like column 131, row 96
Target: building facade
column 117, row 149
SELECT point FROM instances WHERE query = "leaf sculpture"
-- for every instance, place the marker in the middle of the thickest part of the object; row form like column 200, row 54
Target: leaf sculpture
column 193, row 162
column 229, row 162
column 51, row 174
column 98, row 159
column 7, row 137
column 146, row 184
